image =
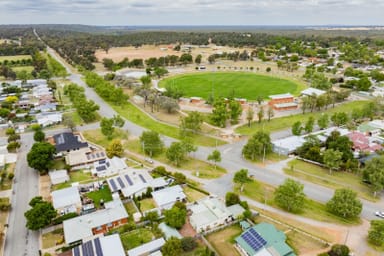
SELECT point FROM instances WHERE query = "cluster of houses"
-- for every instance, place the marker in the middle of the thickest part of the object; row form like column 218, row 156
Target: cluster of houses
column 87, row 232
column 366, row 139
column 35, row 100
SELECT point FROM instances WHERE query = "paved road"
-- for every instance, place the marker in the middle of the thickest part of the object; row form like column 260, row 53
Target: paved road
column 232, row 158
column 20, row 241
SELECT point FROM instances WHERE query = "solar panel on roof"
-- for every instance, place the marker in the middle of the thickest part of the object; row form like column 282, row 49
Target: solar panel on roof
column 120, row 182
column 90, row 249
column 97, row 155
column 253, row 239
column 101, row 168
column 113, row 184
column 129, row 180
column 76, row 251
column 142, row 178
column 102, row 161
column 99, row 252
column 84, row 250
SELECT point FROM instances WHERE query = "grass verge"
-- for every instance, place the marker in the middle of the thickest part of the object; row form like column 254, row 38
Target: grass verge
column 335, row 180
column 285, row 122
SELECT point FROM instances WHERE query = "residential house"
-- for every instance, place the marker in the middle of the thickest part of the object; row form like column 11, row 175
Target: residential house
column 263, row 240
column 109, row 167
column 135, row 182
column 363, row 143
column 148, row 248
column 210, row 212
column 58, row 176
column 66, row 200
column 46, row 107
column 287, row 146
column 84, row 158
column 98, row 222
column 167, row 197
column 67, row 142
column 99, row 246
column 41, row 90
column 47, row 119
column 283, row 102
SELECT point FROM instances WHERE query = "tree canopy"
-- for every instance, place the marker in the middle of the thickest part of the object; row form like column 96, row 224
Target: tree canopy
column 40, row 157
column 258, row 145
column 290, row 195
column 345, row 203
column 151, row 143
column 40, row 215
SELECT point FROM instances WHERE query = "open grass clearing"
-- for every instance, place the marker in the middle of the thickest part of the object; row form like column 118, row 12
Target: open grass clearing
column 224, row 240
column 136, row 238
column 137, row 116
column 75, row 176
column 6, row 183
column 15, row 57
column 96, row 137
column 319, row 175
column 53, row 238
column 147, row 204
column 197, row 167
column 286, row 122
column 192, row 194
column 264, row 193
column 102, row 194
column 230, row 84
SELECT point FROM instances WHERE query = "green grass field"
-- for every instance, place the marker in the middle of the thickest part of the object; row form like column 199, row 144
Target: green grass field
column 28, row 69
column 227, row 84
column 14, row 57
column 285, row 122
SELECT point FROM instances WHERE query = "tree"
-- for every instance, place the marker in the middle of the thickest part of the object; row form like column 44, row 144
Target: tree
column 175, row 217
column 260, row 114
column 41, row 156
column 106, row 126
column 345, row 203
column 69, row 122
column 178, row 150
column 323, row 121
column 231, row 199
column 340, row 143
column 268, row 69
column 13, row 137
column 41, row 214
column 198, row 59
column 332, row 159
column 192, row 122
column 241, row 177
column 172, row 247
column 249, row 117
column 339, row 118
column 215, row 157
column 115, row 148
column 219, row 114
column 363, row 84
column 146, row 81
column 258, row 145
column 188, row 243
column 118, row 121
column 308, row 128
column 339, row 250
column 151, row 143
column 39, row 136
column 373, row 172
column 290, row 195
column 270, row 113
column 235, row 111
column 13, row 146
column 296, row 128
column 376, row 232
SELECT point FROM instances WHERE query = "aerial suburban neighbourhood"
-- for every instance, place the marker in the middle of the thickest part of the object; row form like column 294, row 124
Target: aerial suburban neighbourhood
column 203, row 140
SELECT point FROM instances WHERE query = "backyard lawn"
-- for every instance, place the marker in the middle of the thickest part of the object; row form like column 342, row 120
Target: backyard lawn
column 136, row 238
column 286, row 122
column 230, row 84
column 224, row 239
column 147, row 204
column 96, row 196
column 335, row 180
column 130, row 208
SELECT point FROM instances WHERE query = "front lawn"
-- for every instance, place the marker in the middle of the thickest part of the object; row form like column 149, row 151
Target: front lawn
column 96, row 196
column 53, row 238
column 136, row 238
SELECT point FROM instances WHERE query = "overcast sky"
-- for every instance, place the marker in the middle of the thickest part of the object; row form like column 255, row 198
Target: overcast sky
column 193, row 12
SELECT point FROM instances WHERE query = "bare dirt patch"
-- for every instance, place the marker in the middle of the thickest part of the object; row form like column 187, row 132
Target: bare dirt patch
column 45, row 187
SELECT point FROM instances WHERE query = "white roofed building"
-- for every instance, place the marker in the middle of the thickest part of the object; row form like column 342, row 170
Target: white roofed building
column 66, row 200
column 167, row 197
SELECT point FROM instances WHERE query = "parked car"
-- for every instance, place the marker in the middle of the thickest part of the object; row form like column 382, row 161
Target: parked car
column 149, row 160
column 380, row 214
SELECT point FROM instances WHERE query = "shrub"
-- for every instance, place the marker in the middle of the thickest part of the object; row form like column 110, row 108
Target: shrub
column 188, row 244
